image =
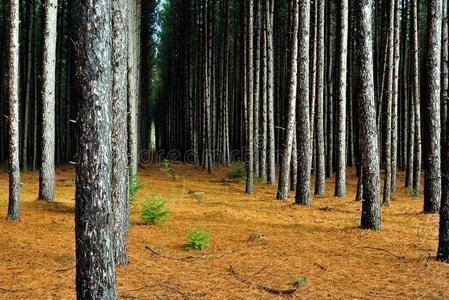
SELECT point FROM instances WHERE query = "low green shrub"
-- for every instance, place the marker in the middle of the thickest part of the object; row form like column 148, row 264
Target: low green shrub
column 71, row 182
column 167, row 169
column 197, row 240
column 413, row 192
column 237, row 171
column 154, row 210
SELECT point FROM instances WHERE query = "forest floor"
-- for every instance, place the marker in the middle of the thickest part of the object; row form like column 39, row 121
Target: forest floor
column 257, row 243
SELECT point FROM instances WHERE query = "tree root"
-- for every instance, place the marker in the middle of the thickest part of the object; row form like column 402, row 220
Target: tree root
column 286, row 292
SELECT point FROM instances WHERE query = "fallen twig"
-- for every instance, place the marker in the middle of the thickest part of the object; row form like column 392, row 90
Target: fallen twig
column 65, row 269
column 9, row 290
column 383, row 250
column 287, row 292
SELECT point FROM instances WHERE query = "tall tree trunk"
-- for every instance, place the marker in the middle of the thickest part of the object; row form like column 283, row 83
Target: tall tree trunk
column 395, row 103
column 26, row 116
column 443, row 241
column 264, row 94
column 432, row 184
column 271, row 172
column 371, row 214
column 416, row 149
column 120, row 174
column 340, row 180
column 95, row 268
column 250, row 98
column 389, row 104
column 133, row 85
column 444, row 72
column 303, row 128
column 282, row 193
column 13, row 112
column 47, row 169
column 257, row 77
column 320, row 158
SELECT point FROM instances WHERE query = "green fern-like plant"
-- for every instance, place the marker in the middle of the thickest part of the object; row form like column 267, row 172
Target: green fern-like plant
column 154, row 210
column 167, row 169
column 197, row 240
column 237, row 171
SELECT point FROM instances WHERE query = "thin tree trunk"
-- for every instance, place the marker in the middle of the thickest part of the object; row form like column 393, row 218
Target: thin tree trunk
column 13, row 112
column 133, row 85
column 371, row 213
column 250, row 98
column 120, row 173
column 340, row 144
column 395, row 103
column 282, row 193
column 26, row 116
column 320, row 157
column 432, row 183
column 47, row 170
column 416, row 165
column 257, row 77
column 389, row 104
column 271, row 172
column 264, row 94
column 303, row 126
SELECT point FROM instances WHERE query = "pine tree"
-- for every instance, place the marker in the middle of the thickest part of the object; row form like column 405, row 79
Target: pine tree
column 47, row 170
column 371, row 214
column 95, row 268
column 13, row 112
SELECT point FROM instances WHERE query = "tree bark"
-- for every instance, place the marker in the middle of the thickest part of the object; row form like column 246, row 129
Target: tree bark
column 47, row 169
column 120, row 173
column 320, row 157
column 282, row 193
column 340, row 180
column 303, row 127
column 95, row 268
column 13, row 112
column 395, row 103
column 250, row 98
column 432, row 183
column 389, row 104
column 371, row 214
column 271, row 172
column 416, row 148
column 133, row 85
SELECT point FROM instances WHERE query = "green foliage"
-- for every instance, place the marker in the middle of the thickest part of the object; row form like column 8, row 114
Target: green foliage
column 237, row 171
column 71, row 182
column 300, row 281
column 413, row 192
column 154, row 210
column 197, row 240
column 167, row 169
column 439, row 298
column 134, row 188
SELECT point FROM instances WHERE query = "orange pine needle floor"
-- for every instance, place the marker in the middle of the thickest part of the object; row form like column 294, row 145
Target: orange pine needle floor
column 321, row 244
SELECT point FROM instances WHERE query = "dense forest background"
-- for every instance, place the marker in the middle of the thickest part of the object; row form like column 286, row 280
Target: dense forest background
column 341, row 104
column 67, row 92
